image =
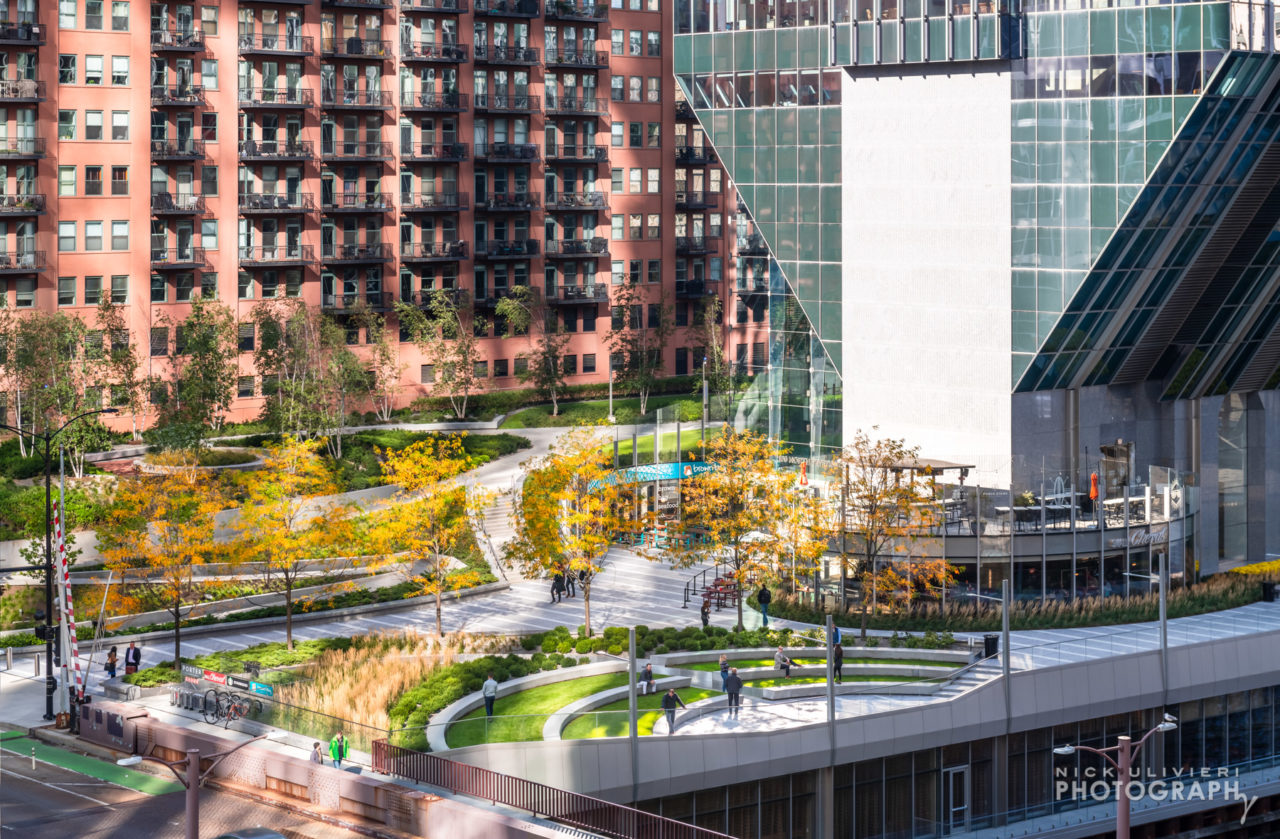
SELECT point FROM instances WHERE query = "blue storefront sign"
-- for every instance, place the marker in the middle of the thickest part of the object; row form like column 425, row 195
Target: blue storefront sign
column 261, row 689
column 653, row 472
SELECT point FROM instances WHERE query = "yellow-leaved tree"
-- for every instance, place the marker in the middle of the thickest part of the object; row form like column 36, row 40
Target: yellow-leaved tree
column 285, row 530
column 432, row 515
column 158, row 531
column 569, row 511
column 728, row 512
column 803, row 532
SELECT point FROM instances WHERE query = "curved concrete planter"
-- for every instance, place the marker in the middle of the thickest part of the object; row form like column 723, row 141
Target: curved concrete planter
column 711, row 679
column 850, row 651
column 153, row 469
column 556, row 723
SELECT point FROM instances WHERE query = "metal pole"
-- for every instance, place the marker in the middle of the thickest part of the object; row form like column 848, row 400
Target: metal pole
column 1123, row 758
column 193, row 794
column 831, row 688
column 633, row 735
column 1164, row 626
column 50, row 681
column 1004, row 640
column 611, row 418
column 705, row 401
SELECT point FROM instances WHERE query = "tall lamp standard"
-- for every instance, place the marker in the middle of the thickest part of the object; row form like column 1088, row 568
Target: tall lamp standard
column 47, row 629
column 1125, row 751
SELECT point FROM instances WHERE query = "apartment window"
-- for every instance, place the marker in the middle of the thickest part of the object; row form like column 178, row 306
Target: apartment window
column 119, row 180
column 616, row 179
column 120, row 69
column 209, row 180
column 92, row 14
column 617, row 36
column 119, row 125
column 66, row 125
column 589, row 321
column 66, row 14
column 652, row 226
column 655, row 315
column 209, row 127
column 740, row 310
column 616, row 321
column 633, row 180
column 209, row 19
column 92, row 291
column 209, row 286
column 209, row 234
column 25, row 292
column 159, row 341
column 653, row 89
column 209, row 73
column 654, row 5
column 93, row 180
column 633, row 89
column 481, row 369
column 427, row 374
column 93, row 235
column 159, row 288
column 66, row 180
column 571, row 365
column 634, row 5
column 715, row 268
column 270, row 384
column 244, row 387
column 244, row 287
column 66, row 236
column 617, row 268
column 615, row 227
column 634, row 130
column 119, row 235
column 633, row 225
column 120, row 16
column 682, row 361
column 653, row 181
column 66, row 291
column 655, row 44
column 615, row 132
column 655, row 271
column 633, row 268
column 682, row 314
column 184, row 287
column 616, row 88
column 246, row 337
column 66, row 69
column 520, row 366
column 93, row 69
column 93, row 125
column 654, row 134
column 119, row 288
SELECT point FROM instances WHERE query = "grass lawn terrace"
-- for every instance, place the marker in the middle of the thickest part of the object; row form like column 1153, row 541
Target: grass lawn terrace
column 815, row 680
column 522, row 715
column 611, row 720
column 714, row 666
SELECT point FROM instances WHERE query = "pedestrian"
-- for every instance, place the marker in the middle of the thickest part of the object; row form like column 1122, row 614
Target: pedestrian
column 706, row 612
column 316, row 755
column 733, row 687
column 724, row 669
column 490, row 692
column 557, row 587
column 132, row 659
column 338, row 749
column 783, row 663
column 582, row 578
column 646, row 680
column 764, row 598
column 112, row 660
column 569, row 579
column 669, row 703
column 839, row 663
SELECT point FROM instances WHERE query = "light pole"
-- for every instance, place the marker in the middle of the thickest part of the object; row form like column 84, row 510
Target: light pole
column 47, row 630
column 612, row 419
column 1125, row 751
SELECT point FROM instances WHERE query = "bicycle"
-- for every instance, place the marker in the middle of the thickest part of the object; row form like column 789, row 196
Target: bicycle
column 225, row 707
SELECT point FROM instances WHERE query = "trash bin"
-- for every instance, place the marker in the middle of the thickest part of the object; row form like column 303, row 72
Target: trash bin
column 1268, row 592
column 990, row 646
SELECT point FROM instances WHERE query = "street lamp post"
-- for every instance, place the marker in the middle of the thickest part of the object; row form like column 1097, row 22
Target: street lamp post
column 1125, row 751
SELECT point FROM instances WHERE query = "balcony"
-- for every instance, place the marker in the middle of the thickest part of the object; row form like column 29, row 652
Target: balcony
column 694, row 245
column 168, row 204
column 491, row 296
column 188, row 149
column 274, row 97
column 273, row 150
column 752, row 245
column 189, row 96
column 750, row 287
column 516, row 202
column 377, row 252
column 449, row 53
column 447, row 7
column 560, row 104
column 277, row 256
column 685, row 111
column 577, row 201
column 499, row 152
column 433, row 202
column 434, row 102
column 426, row 152
column 20, row 148
column 695, row 155
column 485, row 54
column 506, row 249
column 432, row 251
column 369, row 100
column 507, row 8
column 168, row 259
column 356, row 151
column 177, row 40
column 520, row 102
column 24, row 262
column 376, row 301
column 582, row 154
column 571, row 294
column 351, row 202
column 354, row 47
column 283, row 2
column 358, row 4
column 577, row 58
column 697, row 200
column 22, row 205
column 256, row 203
column 572, row 248
column 256, row 44
column 21, row 90
column 695, row 288
column 25, row 34
column 566, row 10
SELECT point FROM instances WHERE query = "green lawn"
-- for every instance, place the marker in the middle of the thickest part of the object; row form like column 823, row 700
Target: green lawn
column 625, row 411
column 690, row 442
column 812, row 680
column 611, row 720
column 713, row 666
column 521, row 716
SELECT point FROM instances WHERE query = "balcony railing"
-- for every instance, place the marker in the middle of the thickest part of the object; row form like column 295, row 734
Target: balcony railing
column 426, row 151
column 577, row 58
column 185, row 39
column 276, row 150
column 286, row 202
column 274, row 97
column 579, row 294
column 505, row 55
column 377, row 252
column 693, row 244
column 566, row 10
column 23, row 262
column 695, row 155
column 168, row 204
column 357, row 99
column 511, row 201
column 748, row 286
column 588, row 154
column 694, row 288
column 433, row 101
column 277, row 255
column 752, row 245
column 375, row 202
column 433, row 201
column 354, row 47
column 444, row 6
column 358, row 4
column 598, row 246
column 507, row 102
column 252, row 42
column 22, row 205
column 410, row 51
column 506, row 151
column 186, row 95
column 186, row 257
column 697, row 200
column 507, row 8
column 21, row 90
column 576, row 104
column 433, row 250
column 506, row 248
column 24, row 34
column 19, row 147
column 356, row 150
column 378, row 301
column 188, row 149
column 576, row 201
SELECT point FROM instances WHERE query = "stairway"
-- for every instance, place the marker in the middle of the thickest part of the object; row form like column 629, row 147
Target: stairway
column 974, row 677
column 493, row 531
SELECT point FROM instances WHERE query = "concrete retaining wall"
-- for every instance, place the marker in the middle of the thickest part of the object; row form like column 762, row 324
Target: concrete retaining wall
column 556, row 722
column 850, row 651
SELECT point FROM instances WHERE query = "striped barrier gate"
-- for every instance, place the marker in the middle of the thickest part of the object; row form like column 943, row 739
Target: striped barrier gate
column 68, row 608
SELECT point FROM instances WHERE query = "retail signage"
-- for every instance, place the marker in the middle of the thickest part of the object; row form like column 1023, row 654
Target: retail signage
column 261, row 689
column 1140, row 538
column 237, row 682
column 192, row 670
column 216, row 678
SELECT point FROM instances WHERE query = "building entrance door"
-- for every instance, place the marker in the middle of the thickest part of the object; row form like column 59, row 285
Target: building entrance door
column 955, row 800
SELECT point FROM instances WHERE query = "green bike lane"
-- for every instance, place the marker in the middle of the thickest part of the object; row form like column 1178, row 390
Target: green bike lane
column 15, row 747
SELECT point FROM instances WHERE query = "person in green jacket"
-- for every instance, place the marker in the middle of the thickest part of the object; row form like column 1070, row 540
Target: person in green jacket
column 338, row 749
